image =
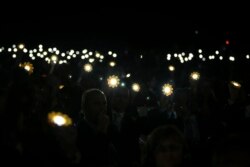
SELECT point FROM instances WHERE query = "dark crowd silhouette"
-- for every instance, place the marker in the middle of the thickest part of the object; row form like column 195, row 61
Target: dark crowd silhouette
column 204, row 122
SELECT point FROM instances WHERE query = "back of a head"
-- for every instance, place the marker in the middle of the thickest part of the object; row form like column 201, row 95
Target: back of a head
column 89, row 94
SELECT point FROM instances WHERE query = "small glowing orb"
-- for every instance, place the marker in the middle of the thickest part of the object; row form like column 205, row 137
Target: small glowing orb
column 195, row 76
column 59, row 119
column 236, row 84
column 128, row 75
column 61, row 86
column 136, row 87
column 113, row 81
column 54, row 58
column 171, row 68
column 112, row 63
column 88, row 67
column 167, row 89
column 21, row 46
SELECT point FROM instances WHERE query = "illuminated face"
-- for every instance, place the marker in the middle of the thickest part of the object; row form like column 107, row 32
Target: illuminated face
column 169, row 153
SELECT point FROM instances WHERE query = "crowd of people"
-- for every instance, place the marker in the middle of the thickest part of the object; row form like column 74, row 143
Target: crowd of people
column 204, row 123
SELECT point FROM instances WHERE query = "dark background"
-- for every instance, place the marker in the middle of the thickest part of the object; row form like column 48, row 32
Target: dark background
column 170, row 27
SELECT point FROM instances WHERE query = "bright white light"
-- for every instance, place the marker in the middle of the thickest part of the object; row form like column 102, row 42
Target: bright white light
column 141, row 56
column 54, row 58
column 91, row 60
column 82, row 57
column 171, row 68
column 200, row 56
column 90, row 53
column 123, row 84
column 34, row 50
column 183, row 53
column 191, row 55
column 247, row 56
column 57, row 52
column 84, row 51
column 112, row 63
column 114, row 55
column 97, row 55
column 40, row 46
column 27, row 67
column 101, row 57
column 231, row 58
column 63, row 54
column 113, row 81
column 45, row 53
column 175, row 55
column 25, row 50
column 88, row 67
column 59, row 120
column 109, row 53
column 77, row 52
column 167, row 89
column 33, row 58
column 195, row 75
column 15, row 49
column 71, row 52
column 199, row 51
column 136, row 87
column 21, row 46
column 236, row 84
column 9, row 49
column 68, row 57
column 14, row 55
column 128, row 75
column 217, row 52
column 221, row 58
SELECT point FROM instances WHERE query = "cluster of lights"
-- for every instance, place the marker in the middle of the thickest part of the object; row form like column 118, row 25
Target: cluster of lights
column 54, row 56
column 27, row 66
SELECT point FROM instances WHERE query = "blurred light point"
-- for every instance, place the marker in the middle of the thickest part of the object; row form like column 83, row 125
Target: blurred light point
column 195, row 76
column 167, row 89
column 88, row 67
column 171, row 68
column 136, row 87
